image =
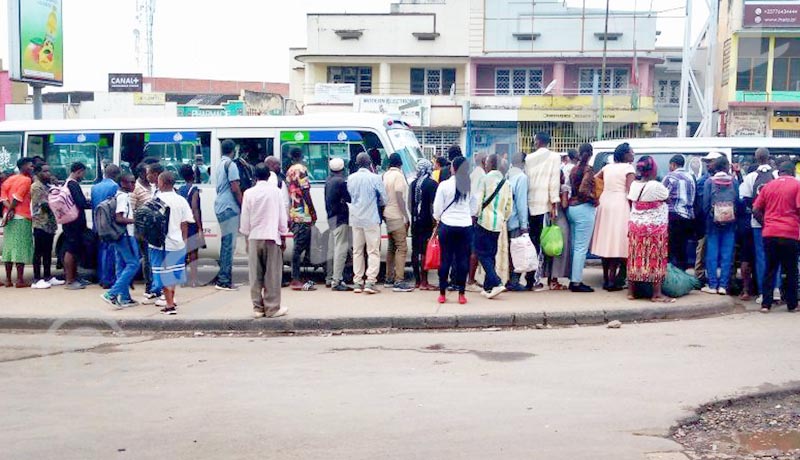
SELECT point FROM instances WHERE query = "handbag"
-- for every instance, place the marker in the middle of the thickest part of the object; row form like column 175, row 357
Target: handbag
column 433, row 253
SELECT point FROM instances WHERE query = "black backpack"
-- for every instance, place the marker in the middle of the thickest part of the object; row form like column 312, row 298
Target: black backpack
column 762, row 179
column 152, row 222
column 247, row 174
column 105, row 221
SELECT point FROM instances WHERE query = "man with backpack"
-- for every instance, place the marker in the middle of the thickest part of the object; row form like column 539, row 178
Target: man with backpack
column 168, row 259
column 126, row 251
column 302, row 215
column 752, row 185
column 227, row 207
column 100, row 192
column 720, row 196
column 777, row 207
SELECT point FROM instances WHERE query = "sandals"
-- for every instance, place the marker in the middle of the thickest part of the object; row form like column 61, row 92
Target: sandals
column 556, row 286
column 662, row 300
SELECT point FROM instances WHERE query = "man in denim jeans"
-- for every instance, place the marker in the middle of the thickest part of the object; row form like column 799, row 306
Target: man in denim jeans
column 227, row 207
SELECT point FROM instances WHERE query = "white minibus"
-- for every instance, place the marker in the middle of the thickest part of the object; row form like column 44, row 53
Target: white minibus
column 196, row 141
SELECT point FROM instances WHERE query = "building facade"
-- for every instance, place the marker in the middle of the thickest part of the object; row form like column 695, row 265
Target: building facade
column 512, row 71
column 759, row 60
column 412, row 61
column 667, row 92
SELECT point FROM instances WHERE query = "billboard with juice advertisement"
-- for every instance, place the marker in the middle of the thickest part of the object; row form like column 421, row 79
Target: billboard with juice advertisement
column 36, row 41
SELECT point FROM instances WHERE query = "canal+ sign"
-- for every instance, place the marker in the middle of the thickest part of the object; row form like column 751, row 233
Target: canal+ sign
column 124, row 83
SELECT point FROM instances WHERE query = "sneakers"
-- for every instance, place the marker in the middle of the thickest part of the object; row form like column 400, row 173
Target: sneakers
column 171, row 311
column 56, row 282
column 389, row 283
column 496, row 291
column 359, row 288
column 126, row 303
column 765, row 309
column 370, row 288
column 341, row 287
column 109, row 299
column 161, row 303
column 149, row 298
column 258, row 312
column 760, row 299
column 282, row 311
column 41, row 284
column 75, row 286
column 709, row 290
column 226, row 287
column 580, row 287
column 474, row 287
column 722, row 291
column 402, row 286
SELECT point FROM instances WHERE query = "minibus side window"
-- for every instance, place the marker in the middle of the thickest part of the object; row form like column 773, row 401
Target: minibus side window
column 254, row 150
column 172, row 149
column 315, row 157
column 61, row 150
column 10, row 151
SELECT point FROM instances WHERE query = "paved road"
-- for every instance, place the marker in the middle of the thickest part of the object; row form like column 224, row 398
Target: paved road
column 580, row 393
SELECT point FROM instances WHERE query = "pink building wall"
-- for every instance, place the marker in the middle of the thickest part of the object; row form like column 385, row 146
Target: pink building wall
column 5, row 93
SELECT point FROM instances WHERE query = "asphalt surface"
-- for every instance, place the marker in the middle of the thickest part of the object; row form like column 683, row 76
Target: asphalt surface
column 571, row 393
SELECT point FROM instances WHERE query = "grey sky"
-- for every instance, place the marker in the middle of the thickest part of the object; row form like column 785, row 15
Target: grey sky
column 233, row 39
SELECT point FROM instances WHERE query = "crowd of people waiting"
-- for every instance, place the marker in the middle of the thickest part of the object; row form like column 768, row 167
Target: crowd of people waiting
column 745, row 216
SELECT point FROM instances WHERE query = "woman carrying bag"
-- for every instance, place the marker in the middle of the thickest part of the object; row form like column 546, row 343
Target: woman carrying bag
column 453, row 208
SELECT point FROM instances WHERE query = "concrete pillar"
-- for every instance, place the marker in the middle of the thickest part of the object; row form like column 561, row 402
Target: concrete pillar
column 385, row 78
column 645, row 79
column 308, row 85
column 559, row 75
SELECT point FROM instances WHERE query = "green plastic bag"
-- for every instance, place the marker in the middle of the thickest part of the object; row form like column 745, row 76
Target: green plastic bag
column 552, row 241
column 678, row 283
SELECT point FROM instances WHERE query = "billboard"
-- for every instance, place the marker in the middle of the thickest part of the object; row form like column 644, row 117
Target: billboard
column 36, row 41
column 760, row 13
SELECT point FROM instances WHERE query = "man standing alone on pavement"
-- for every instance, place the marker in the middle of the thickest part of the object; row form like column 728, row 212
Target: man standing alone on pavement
column 100, row 192
column 495, row 198
column 543, row 169
column 778, row 208
column 681, row 210
column 397, row 223
column 227, row 208
column 367, row 195
column 264, row 223
column 302, row 214
column 336, row 206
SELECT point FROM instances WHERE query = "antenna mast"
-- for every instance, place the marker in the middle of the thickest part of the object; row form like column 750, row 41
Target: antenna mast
column 143, row 35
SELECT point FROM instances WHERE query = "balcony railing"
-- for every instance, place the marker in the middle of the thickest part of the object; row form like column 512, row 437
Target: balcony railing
column 397, row 90
column 564, row 92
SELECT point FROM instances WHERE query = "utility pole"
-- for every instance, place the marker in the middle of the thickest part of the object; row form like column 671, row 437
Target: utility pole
column 704, row 99
column 37, row 100
column 603, row 77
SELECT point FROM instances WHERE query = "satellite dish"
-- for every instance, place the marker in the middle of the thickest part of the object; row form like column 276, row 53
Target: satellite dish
column 550, row 87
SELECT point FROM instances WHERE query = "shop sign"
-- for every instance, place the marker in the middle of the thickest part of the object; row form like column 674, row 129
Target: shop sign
column 747, row 122
column 36, row 41
column 334, row 93
column 149, row 98
column 771, row 14
column 125, row 83
column 785, row 123
column 414, row 110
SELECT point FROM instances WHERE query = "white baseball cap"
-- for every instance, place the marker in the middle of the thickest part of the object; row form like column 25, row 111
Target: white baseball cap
column 712, row 156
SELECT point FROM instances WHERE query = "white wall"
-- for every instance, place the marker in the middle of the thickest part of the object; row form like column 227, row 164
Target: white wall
column 560, row 29
column 120, row 105
column 390, row 34
column 16, row 112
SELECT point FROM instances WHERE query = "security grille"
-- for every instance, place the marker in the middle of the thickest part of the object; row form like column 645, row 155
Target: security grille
column 565, row 136
column 441, row 139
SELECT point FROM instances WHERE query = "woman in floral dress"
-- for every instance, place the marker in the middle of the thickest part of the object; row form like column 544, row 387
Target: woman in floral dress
column 647, row 230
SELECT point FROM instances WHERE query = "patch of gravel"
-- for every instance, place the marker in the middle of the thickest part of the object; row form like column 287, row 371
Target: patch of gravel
column 750, row 428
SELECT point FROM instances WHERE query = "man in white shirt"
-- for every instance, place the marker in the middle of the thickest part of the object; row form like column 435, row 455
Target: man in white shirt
column 265, row 223
column 169, row 262
column 543, row 168
column 125, row 249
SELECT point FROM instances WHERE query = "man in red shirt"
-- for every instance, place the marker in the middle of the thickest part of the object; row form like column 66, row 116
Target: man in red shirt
column 778, row 208
column 18, row 242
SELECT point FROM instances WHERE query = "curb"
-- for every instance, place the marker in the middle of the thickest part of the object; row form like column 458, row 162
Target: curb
column 465, row 321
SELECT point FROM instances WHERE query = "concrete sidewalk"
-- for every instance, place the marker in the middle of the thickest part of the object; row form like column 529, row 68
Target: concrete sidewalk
column 208, row 309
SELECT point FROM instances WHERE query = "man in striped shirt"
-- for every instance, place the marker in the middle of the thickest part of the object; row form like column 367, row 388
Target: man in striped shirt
column 681, row 188
column 495, row 206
